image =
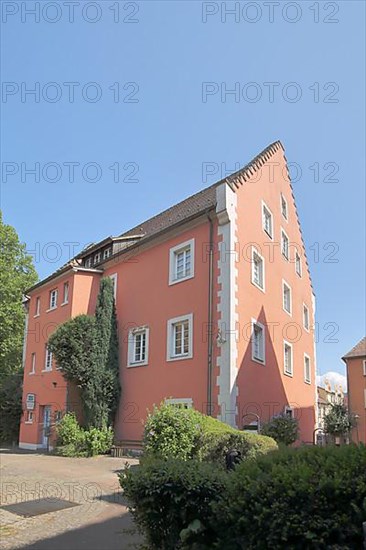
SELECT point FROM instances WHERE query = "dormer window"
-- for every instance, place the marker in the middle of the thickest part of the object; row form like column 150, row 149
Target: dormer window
column 106, row 253
column 97, row 257
column 88, row 262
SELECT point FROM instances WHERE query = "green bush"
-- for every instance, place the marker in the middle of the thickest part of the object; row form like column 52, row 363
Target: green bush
column 282, row 429
column 174, row 432
column 296, row 498
column 171, row 432
column 74, row 441
column 171, row 501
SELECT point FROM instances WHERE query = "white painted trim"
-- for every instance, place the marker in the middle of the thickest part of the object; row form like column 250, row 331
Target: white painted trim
column 169, row 350
column 227, row 359
column 288, row 240
column 285, row 342
column 306, row 356
column 285, row 283
column 265, row 206
column 114, row 278
column 298, row 254
column 303, row 316
column 255, row 251
column 256, row 359
column 180, row 401
column 131, row 347
column 364, row 367
column 29, row 446
column 172, row 254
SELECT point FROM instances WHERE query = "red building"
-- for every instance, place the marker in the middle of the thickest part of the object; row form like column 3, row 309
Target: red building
column 356, row 381
column 215, row 310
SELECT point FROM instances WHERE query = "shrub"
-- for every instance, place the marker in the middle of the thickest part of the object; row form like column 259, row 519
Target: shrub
column 282, row 429
column 337, row 420
column 296, row 498
column 74, row 441
column 171, row 501
column 171, row 432
column 174, row 432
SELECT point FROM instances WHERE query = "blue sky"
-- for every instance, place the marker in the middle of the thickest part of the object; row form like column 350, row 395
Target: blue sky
column 148, row 116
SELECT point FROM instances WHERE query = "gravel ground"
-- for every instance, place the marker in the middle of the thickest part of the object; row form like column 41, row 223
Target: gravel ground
column 101, row 520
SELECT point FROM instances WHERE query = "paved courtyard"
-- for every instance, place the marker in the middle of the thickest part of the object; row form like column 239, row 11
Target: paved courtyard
column 100, row 519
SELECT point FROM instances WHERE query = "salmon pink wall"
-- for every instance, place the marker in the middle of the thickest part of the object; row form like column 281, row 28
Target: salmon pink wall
column 357, row 396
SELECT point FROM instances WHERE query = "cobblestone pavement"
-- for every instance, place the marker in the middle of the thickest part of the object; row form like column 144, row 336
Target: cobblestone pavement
column 100, row 521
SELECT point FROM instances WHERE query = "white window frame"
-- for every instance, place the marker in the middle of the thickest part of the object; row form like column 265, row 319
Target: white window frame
column 66, row 291
column 290, row 410
column 364, row 367
column 307, row 358
column 265, row 207
column 364, row 393
column 286, row 285
column 53, row 299
column 88, row 263
column 170, row 338
column 285, row 343
column 114, row 278
column 107, row 253
column 29, row 417
column 283, row 233
column 48, row 360
column 33, row 363
column 283, row 198
column 305, row 307
column 261, row 361
column 180, row 401
column 97, row 258
column 38, row 307
column 298, row 257
column 131, row 346
column 262, row 288
column 173, row 252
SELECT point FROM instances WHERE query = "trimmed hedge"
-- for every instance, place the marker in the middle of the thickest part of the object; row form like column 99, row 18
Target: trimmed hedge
column 172, row 501
column 174, row 432
column 304, row 498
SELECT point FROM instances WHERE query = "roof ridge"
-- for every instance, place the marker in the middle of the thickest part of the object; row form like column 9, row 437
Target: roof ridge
column 359, row 350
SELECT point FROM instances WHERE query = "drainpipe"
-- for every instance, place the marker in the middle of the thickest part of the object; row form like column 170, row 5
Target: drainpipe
column 210, row 319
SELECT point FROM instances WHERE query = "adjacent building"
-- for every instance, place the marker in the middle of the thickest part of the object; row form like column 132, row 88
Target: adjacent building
column 355, row 361
column 215, row 310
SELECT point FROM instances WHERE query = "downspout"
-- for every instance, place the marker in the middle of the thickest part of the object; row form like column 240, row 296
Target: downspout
column 210, row 319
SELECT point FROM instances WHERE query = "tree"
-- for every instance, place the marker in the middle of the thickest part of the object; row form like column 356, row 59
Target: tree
column 282, row 428
column 17, row 274
column 86, row 350
column 107, row 344
column 338, row 421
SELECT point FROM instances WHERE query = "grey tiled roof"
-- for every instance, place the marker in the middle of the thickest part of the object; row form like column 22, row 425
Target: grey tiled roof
column 359, row 350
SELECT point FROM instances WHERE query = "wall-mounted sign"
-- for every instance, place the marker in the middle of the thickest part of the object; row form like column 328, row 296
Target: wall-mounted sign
column 31, row 401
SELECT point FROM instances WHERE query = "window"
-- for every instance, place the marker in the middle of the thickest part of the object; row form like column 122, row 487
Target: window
column 181, row 402
column 29, row 417
column 33, row 364
column 298, row 266
column 53, row 298
column 307, row 372
column 258, row 342
column 114, row 281
column 48, row 360
column 286, row 297
column 58, row 416
column 267, row 220
column 180, row 338
column 284, row 245
column 288, row 366
column 106, row 253
column 289, row 412
column 66, row 293
column 97, row 257
column 138, row 346
column 38, row 307
column 257, row 269
column 284, row 210
column 88, row 262
column 181, row 262
column 364, row 367
column 306, row 318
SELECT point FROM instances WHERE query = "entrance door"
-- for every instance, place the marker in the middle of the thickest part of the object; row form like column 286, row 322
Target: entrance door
column 46, row 425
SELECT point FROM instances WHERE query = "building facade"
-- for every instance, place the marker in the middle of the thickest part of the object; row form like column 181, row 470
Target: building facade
column 355, row 361
column 215, row 310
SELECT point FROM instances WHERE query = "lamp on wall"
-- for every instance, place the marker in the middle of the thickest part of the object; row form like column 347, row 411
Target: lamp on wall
column 220, row 339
